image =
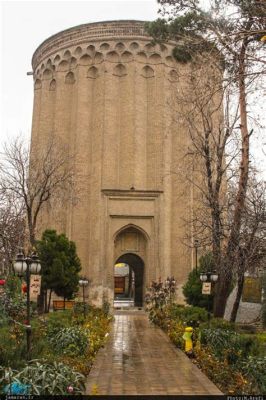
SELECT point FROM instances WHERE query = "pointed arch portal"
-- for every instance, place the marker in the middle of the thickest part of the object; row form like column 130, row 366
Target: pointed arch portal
column 129, row 266
column 130, row 285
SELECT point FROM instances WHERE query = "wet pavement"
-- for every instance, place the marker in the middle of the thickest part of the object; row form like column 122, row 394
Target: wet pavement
column 139, row 359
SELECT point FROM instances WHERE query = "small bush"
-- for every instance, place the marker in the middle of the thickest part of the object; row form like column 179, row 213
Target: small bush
column 12, row 346
column 175, row 332
column 254, row 369
column 70, row 341
column 42, row 378
column 219, row 371
column 160, row 293
column 190, row 315
column 229, row 345
column 192, row 289
column 13, row 307
column 219, row 323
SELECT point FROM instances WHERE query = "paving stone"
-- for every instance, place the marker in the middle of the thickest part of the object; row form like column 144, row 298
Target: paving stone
column 139, row 359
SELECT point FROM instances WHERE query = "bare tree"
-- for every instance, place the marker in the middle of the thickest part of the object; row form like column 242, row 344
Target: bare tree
column 35, row 178
column 235, row 38
column 251, row 249
column 12, row 230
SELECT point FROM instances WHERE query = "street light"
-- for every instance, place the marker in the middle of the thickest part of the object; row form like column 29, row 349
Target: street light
column 209, row 277
column 196, row 245
column 31, row 265
column 83, row 283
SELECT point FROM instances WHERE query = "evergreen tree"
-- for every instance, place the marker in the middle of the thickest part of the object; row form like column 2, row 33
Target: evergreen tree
column 60, row 264
column 193, row 287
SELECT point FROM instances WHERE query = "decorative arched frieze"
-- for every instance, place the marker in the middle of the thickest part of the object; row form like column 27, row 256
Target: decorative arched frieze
column 126, row 56
column 120, row 46
column 112, row 56
column 142, row 56
column 155, row 58
column 57, row 58
column 63, row 66
column 170, row 61
column 67, row 54
column 91, row 50
column 47, row 74
column 147, row 72
column 104, row 46
column 73, row 62
column 92, row 73
column 52, row 85
column 163, row 48
column 78, row 51
column 149, row 47
column 134, row 46
column 37, row 84
column 85, row 60
column 120, row 70
column 70, row 78
column 98, row 57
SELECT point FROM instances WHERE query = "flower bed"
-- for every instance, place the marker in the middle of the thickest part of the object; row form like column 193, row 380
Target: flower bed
column 235, row 362
column 64, row 344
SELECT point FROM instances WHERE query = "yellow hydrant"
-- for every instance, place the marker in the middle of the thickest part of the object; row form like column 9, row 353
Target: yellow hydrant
column 188, row 340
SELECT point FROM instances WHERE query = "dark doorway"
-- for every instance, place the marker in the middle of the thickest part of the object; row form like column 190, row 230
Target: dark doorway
column 137, row 265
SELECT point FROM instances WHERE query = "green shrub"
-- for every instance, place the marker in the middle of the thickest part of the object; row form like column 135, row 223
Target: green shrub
column 242, row 328
column 58, row 320
column 12, row 346
column 190, row 315
column 192, row 289
column 44, row 379
column 13, row 286
column 254, row 369
column 13, row 307
column 229, row 345
column 261, row 337
column 71, row 341
column 264, row 300
column 228, row 380
column 175, row 333
column 219, row 323
column 158, row 317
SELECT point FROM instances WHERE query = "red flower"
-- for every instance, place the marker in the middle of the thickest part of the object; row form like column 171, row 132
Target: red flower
column 2, row 282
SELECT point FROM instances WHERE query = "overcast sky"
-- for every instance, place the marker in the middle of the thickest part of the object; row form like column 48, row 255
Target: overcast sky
column 24, row 25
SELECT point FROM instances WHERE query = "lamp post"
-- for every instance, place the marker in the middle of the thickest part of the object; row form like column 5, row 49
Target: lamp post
column 209, row 277
column 196, row 245
column 31, row 265
column 83, row 283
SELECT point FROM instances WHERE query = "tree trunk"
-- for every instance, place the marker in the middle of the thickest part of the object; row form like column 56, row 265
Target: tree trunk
column 41, row 301
column 221, row 295
column 49, row 302
column 240, row 285
column 233, row 240
column 45, row 301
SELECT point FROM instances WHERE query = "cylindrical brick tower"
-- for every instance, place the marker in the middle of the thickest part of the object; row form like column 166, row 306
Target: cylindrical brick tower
column 107, row 92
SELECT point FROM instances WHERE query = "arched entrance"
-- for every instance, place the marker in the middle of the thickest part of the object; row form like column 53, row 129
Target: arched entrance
column 130, row 248
column 131, row 283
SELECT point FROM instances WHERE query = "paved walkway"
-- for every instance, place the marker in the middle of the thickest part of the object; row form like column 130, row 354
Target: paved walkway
column 139, row 359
